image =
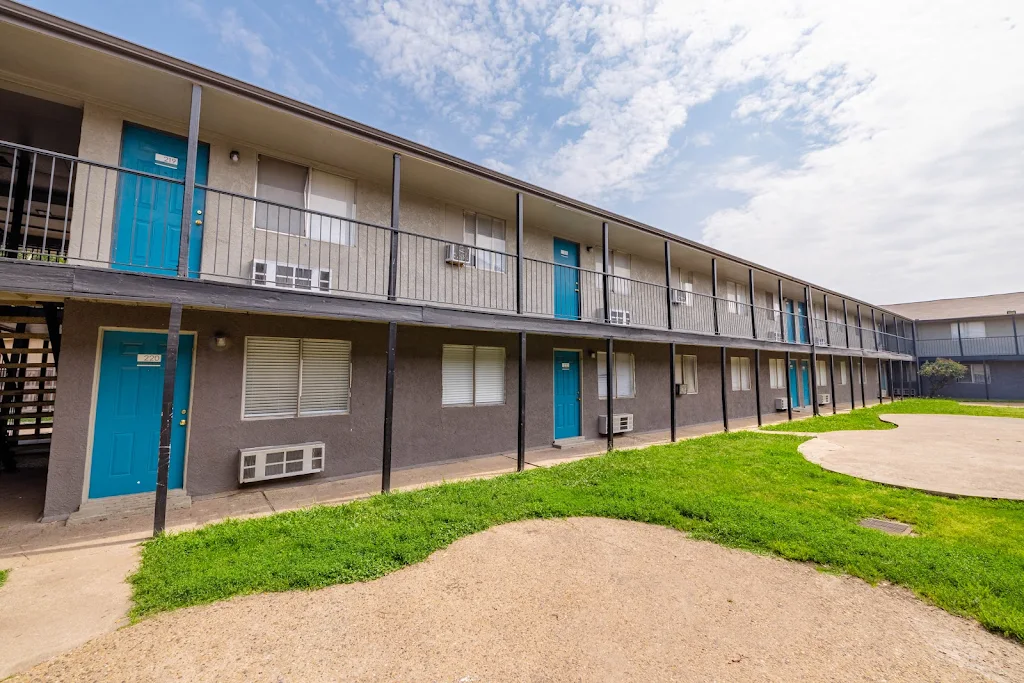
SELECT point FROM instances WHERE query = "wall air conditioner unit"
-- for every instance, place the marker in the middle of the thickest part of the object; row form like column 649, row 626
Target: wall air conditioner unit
column 621, row 422
column 680, row 296
column 781, row 404
column 275, row 462
column 290, row 276
column 620, row 317
column 457, row 254
column 824, row 399
column 681, row 389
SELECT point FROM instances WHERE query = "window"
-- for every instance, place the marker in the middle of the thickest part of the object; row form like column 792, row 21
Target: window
column 472, row 375
column 487, row 233
column 623, row 376
column 843, row 377
column 822, row 376
column 740, row 373
column 621, row 272
column 773, row 303
column 297, row 199
column 977, row 373
column 686, row 286
column 686, row 373
column 736, row 295
column 287, row 377
column 777, row 373
column 968, row 330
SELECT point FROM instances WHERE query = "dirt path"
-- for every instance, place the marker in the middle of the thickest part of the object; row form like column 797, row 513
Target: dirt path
column 579, row 599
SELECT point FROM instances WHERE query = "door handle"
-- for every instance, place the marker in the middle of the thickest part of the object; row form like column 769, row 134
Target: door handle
column 183, row 423
column 198, row 222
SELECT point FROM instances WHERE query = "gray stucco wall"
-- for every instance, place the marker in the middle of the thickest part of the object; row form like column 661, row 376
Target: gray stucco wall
column 1007, row 383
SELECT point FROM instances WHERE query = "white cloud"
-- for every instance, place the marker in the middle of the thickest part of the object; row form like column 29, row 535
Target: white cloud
column 902, row 174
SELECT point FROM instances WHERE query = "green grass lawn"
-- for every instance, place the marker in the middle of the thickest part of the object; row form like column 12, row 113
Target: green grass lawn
column 867, row 418
column 744, row 490
column 3, row 576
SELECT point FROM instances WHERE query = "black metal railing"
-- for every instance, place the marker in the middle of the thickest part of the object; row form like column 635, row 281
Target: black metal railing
column 62, row 209
column 971, row 346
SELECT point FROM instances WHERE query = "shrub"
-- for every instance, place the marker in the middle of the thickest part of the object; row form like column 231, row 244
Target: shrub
column 941, row 372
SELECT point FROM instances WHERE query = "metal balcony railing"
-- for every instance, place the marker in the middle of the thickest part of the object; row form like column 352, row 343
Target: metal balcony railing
column 970, row 347
column 61, row 209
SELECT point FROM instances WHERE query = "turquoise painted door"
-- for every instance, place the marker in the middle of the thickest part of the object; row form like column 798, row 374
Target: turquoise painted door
column 794, row 386
column 802, row 322
column 787, row 305
column 126, row 435
column 805, row 381
column 148, row 226
column 567, row 279
column 567, row 394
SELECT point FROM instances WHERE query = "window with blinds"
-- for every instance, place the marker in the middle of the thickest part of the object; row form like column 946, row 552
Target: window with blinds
column 843, row 376
column 686, row 373
column 740, row 373
column 822, row 374
column 624, row 375
column 777, row 373
column 286, row 377
column 472, row 375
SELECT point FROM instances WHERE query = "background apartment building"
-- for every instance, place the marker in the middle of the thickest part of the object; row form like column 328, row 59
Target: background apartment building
column 266, row 292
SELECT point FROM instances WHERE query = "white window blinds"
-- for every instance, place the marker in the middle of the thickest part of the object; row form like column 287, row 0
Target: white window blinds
column 333, row 195
column 686, row 373
column 284, row 184
column 740, row 373
column 287, row 377
column 472, row 375
column 623, row 379
column 777, row 373
column 843, row 376
column 822, row 376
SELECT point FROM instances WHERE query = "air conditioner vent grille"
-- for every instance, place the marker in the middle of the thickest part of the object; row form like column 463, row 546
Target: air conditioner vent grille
column 273, row 462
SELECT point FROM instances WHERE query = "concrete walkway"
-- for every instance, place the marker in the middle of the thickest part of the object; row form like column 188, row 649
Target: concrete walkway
column 947, row 454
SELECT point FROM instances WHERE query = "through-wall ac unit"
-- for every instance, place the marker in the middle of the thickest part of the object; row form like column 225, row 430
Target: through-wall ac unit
column 682, row 389
column 457, row 254
column 680, row 296
column 622, row 423
column 290, row 276
column 781, row 404
column 275, row 462
column 620, row 317
column 824, row 399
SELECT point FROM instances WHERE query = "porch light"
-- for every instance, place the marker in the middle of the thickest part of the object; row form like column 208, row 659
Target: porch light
column 234, row 156
column 221, row 341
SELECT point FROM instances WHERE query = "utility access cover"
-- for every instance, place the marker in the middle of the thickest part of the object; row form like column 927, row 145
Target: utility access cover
column 888, row 526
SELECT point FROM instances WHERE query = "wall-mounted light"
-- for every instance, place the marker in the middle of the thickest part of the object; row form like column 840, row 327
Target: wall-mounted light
column 220, row 341
column 592, row 354
column 234, row 156
column 590, row 248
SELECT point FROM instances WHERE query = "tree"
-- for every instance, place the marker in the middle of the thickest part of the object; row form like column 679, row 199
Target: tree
column 941, row 372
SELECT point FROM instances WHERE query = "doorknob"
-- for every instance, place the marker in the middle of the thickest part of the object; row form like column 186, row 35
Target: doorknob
column 198, row 222
column 183, row 423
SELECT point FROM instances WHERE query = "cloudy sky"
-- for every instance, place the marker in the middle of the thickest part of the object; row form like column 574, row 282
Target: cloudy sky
column 873, row 147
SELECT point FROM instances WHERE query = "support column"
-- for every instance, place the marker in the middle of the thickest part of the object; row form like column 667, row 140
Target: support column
column 191, row 156
column 725, row 398
column 606, row 256
column 985, row 366
column 863, row 394
column 609, row 360
column 892, row 382
column 917, row 358
column 846, row 326
column 672, row 391
column 753, row 311
column 809, row 305
column 879, row 366
column 396, row 203
column 789, row 388
column 960, row 338
column 860, row 329
column 832, row 381
column 828, row 330
column 757, row 383
column 874, row 328
column 163, row 461
column 782, row 322
column 521, row 433
column 1016, row 339
column 853, row 392
column 520, row 271
column 668, row 283
column 389, row 408
column 714, row 292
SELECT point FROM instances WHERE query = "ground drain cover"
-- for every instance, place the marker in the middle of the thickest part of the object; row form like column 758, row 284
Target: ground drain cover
column 888, row 526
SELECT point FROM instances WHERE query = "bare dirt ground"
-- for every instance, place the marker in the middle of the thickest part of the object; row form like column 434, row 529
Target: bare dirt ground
column 567, row 600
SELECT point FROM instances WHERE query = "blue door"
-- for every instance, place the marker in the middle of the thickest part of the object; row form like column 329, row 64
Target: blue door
column 794, row 386
column 567, row 279
column 148, row 226
column 567, row 394
column 802, row 322
column 787, row 306
column 126, row 435
column 805, row 381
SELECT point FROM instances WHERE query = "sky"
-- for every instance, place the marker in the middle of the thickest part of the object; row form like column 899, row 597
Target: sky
column 872, row 147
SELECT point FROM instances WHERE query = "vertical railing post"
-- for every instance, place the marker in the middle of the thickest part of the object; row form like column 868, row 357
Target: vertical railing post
column 757, row 383
column 521, row 432
column 753, row 311
column 191, row 155
column 609, row 380
column 606, row 255
column 163, row 461
column 714, row 293
column 874, row 328
column 396, row 203
column 809, row 305
column 789, row 388
column 520, row 303
column 846, row 327
column 960, row 338
column 725, row 399
column 672, row 391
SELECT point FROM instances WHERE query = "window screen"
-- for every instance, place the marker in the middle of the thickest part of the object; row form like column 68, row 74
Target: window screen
column 284, row 184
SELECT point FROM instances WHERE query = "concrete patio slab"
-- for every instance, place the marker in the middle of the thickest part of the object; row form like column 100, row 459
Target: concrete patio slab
column 947, row 454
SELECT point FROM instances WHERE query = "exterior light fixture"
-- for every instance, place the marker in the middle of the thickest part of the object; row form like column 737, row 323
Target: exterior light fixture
column 220, row 341
column 234, row 156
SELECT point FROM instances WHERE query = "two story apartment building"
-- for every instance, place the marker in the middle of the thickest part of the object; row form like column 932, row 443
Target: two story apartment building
column 206, row 286
column 984, row 333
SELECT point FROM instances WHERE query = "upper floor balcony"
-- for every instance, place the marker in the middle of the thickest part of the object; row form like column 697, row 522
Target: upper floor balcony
column 976, row 338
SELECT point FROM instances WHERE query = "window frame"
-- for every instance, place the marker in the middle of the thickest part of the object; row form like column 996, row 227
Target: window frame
column 682, row 359
column 742, row 363
column 602, row 386
column 777, row 373
column 499, row 256
column 475, row 403
column 307, row 213
column 620, row 284
column 298, row 370
column 822, row 373
column 843, row 375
